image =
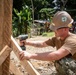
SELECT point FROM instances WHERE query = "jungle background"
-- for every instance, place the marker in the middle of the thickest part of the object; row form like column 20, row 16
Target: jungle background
column 32, row 14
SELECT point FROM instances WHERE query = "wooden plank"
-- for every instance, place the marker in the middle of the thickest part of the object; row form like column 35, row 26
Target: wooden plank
column 14, row 69
column 26, row 63
column 7, row 31
column 4, row 54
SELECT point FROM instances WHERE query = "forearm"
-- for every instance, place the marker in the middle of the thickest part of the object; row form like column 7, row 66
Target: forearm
column 36, row 44
column 50, row 56
column 47, row 56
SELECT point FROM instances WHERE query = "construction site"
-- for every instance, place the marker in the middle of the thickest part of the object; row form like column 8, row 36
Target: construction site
column 9, row 49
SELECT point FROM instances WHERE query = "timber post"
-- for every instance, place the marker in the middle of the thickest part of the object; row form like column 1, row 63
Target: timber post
column 5, row 31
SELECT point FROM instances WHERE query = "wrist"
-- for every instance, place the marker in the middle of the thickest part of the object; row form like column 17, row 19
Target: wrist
column 29, row 57
column 27, row 43
column 33, row 56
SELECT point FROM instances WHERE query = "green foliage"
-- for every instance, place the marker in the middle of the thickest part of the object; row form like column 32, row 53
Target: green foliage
column 38, row 5
column 44, row 12
column 67, row 5
column 43, row 9
column 21, row 21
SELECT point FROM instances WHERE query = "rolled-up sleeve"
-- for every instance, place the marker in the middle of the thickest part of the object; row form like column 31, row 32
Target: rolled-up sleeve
column 50, row 42
column 70, row 45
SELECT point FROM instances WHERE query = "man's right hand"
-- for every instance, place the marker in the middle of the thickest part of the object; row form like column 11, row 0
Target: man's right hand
column 22, row 42
column 24, row 55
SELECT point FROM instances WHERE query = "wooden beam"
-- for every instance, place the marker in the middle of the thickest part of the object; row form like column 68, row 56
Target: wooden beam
column 4, row 54
column 14, row 69
column 1, row 28
column 6, row 31
column 26, row 63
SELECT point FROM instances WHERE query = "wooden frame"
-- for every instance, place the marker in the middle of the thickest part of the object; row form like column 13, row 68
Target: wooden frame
column 4, row 54
column 6, row 39
column 5, row 33
column 26, row 63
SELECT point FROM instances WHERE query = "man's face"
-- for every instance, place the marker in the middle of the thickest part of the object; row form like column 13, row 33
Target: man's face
column 60, row 32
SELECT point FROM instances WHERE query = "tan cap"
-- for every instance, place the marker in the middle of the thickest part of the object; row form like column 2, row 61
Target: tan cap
column 61, row 19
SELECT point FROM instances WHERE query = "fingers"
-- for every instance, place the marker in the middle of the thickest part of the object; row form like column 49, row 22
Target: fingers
column 21, row 55
column 24, row 55
column 22, row 42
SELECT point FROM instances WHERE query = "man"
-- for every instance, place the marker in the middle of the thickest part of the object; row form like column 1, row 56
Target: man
column 64, row 41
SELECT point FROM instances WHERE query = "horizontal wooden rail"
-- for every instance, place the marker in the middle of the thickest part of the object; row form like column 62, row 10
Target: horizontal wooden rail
column 4, row 53
column 26, row 63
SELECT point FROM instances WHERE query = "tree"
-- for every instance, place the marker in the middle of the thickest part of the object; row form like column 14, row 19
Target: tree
column 47, row 13
column 38, row 5
column 21, row 21
column 66, row 5
column 39, row 9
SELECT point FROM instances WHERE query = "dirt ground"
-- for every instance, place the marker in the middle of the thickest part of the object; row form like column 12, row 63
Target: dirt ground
column 43, row 67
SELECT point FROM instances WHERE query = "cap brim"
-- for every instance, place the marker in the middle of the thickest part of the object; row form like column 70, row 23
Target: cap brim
column 53, row 28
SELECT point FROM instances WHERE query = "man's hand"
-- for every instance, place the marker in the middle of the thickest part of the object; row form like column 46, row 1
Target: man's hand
column 24, row 55
column 22, row 42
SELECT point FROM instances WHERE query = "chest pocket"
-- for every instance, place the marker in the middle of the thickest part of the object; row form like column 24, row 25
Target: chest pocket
column 74, row 56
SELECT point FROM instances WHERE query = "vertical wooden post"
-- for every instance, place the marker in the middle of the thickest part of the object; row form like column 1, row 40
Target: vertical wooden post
column 1, row 30
column 5, row 31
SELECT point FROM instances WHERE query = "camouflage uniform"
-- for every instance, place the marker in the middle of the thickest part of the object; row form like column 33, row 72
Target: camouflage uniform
column 66, row 66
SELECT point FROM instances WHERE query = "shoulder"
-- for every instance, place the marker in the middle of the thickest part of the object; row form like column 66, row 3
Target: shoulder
column 71, row 38
column 51, row 41
column 70, row 43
